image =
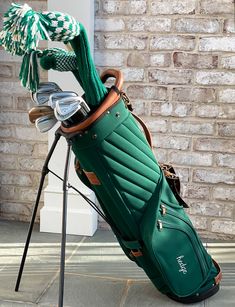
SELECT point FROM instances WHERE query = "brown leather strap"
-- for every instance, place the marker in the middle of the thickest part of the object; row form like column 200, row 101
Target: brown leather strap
column 91, row 176
column 146, row 130
column 219, row 276
column 173, row 181
column 110, row 100
column 136, row 253
column 113, row 73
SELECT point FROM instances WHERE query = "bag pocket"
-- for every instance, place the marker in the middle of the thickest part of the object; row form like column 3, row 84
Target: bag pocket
column 179, row 255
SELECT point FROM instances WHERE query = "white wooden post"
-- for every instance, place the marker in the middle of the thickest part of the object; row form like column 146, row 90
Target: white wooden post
column 81, row 218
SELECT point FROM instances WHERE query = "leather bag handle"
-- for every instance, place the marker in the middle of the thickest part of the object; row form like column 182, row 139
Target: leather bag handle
column 110, row 100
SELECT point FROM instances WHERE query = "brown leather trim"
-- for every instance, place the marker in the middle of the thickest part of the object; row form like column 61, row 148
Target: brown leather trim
column 146, row 130
column 94, row 180
column 219, row 276
column 113, row 73
column 77, row 165
column 136, row 253
column 111, row 99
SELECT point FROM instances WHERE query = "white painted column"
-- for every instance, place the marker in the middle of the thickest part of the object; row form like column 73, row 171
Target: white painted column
column 81, row 218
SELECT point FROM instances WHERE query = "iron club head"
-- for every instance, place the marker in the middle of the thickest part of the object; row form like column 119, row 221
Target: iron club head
column 39, row 111
column 58, row 96
column 71, row 110
column 45, row 123
column 66, row 107
column 45, row 89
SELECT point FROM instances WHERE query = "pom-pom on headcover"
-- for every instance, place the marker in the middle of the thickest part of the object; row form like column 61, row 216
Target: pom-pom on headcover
column 23, row 28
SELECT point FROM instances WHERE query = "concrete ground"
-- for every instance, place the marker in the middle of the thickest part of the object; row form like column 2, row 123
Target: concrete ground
column 97, row 272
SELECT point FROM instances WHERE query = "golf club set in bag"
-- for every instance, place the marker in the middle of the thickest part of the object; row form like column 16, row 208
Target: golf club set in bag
column 114, row 157
column 55, row 105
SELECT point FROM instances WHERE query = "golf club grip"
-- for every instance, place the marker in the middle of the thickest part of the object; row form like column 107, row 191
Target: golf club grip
column 109, row 101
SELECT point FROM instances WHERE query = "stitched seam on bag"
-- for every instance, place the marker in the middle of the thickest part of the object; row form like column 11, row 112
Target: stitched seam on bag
column 107, row 154
column 153, row 163
column 139, row 195
column 129, row 178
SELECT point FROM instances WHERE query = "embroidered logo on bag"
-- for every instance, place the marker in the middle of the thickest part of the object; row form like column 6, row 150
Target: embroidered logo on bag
column 182, row 265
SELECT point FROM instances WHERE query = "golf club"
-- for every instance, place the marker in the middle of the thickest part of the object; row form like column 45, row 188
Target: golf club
column 58, row 96
column 71, row 110
column 39, row 111
column 45, row 89
column 45, row 123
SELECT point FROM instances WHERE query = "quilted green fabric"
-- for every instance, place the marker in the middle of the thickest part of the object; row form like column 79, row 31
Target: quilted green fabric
column 132, row 193
column 121, row 158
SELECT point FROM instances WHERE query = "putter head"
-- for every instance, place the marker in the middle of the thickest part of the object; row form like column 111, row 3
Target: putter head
column 45, row 89
column 58, row 96
column 45, row 123
column 39, row 111
column 67, row 107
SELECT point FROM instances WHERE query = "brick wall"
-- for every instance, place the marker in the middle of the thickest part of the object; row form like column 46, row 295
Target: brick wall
column 178, row 59
column 22, row 148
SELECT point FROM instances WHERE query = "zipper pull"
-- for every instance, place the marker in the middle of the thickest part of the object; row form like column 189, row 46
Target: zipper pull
column 159, row 224
column 163, row 208
column 127, row 101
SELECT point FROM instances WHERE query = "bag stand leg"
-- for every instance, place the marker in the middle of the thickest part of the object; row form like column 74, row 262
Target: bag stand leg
column 66, row 186
column 45, row 171
column 64, row 222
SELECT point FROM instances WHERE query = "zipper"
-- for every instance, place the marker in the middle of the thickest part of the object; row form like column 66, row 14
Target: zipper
column 171, row 226
column 172, row 213
column 159, row 224
column 163, row 208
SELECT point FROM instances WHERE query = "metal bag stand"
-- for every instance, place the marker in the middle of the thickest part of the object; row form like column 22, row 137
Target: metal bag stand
column 66, row 186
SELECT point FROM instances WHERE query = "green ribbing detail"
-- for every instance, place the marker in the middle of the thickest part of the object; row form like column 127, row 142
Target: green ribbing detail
column 94, row 89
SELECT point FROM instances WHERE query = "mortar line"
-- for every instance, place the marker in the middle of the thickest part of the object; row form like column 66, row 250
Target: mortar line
column 107, row 277
column 125, row 292
column 2, row 268
column 58, row 272
column 19, row 302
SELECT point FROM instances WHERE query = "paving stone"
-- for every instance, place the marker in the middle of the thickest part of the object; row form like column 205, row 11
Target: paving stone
column 81, row 291
column 31, row 287
column 42, row 262
column 225, row 298
column 101, row 256
column 150, row 296
column 97, row 272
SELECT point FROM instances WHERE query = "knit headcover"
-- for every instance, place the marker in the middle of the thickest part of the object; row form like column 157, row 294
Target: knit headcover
column 23, row 28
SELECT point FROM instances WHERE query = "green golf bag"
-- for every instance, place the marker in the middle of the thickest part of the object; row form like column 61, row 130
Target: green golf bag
column 140, row 198
column 145, row 211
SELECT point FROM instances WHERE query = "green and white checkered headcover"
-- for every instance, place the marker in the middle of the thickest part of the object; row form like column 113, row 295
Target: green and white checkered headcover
column 23, row 28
